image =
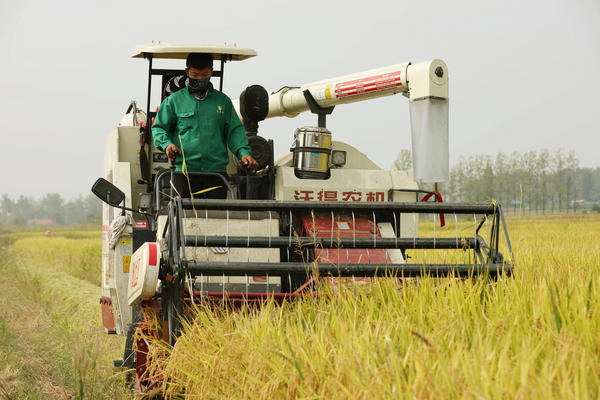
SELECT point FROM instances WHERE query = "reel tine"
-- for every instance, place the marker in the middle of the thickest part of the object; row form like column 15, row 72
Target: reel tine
column 474, row 236
column 332, row 228
column 248, row 243
column 415, row 230
column 196, row 236
column 374, row 231
column 270, row 223
column 223, row 284
column 246, row 275
column 206, row 231
column 290, row 241
column 201, row 288
column 267, row 283
column 314, row 226
column 486, row 224
column 456, row 226
column 227, row 236
column 190, row 286
column 434, row 223
column 395, row 229
column 290, row 282
column 353, row 230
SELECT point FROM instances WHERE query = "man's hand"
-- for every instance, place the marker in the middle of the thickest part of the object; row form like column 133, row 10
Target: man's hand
column 172, row 152
column 249, row 163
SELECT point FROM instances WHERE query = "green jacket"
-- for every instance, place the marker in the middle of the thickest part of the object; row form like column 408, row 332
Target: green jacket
column 206, row 129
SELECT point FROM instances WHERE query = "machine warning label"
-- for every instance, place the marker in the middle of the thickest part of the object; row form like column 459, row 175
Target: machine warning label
column 141, row 224
column 368, row 84
column 126, row 247
column 126, row 254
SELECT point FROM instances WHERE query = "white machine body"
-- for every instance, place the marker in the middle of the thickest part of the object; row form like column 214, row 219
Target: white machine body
column 143, row 273
column 129, row 278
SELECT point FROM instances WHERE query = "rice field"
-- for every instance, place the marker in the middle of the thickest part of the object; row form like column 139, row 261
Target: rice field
column 533, row 335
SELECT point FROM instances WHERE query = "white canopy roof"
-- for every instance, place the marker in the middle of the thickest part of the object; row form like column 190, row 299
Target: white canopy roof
column 180, row 50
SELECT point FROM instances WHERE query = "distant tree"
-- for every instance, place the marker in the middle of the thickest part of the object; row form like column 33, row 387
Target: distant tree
column 589, row 182
column 535, row 180
column 93, row 208
column 52, row 207
column 543, row 170
column 528, row 178
column 501, row 172
column 25, row 208
column 7, row 207
column 403, row 161
column 571, row 179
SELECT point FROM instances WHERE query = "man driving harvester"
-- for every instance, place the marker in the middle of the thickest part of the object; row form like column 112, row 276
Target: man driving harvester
column 195, row 126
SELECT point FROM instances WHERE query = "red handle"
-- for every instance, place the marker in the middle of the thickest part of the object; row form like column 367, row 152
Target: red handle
column 438, row 199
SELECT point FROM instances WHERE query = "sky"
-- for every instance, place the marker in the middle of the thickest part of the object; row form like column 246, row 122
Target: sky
column 524, row 75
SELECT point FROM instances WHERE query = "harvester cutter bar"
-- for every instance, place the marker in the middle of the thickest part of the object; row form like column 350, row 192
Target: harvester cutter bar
column 325, row 242
column 346, row 270
column 277, row 205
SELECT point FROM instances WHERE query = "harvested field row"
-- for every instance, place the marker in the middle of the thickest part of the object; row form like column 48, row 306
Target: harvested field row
column 52, row 345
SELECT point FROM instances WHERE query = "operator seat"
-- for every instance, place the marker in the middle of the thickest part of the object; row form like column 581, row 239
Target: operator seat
column 174, row 84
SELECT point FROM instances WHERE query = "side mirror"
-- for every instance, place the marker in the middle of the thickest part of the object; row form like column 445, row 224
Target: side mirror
column 107, row 192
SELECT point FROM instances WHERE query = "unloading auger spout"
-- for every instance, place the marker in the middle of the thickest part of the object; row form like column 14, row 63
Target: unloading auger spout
column 424, row 83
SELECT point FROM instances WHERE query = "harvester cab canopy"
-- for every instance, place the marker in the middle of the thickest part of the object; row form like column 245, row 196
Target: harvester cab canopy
column 180, row 50
column 174, row 79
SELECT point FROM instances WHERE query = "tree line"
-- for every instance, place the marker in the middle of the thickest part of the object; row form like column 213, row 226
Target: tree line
column 534, row 182
column 531, row 182
column 52, row 208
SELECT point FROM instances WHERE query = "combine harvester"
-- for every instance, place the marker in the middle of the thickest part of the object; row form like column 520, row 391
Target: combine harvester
column 324, row 206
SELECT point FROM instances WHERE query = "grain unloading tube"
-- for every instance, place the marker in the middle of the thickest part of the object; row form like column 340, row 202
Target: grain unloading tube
column 426, row 85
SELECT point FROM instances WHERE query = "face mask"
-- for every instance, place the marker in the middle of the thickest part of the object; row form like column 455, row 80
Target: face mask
column 198, row 87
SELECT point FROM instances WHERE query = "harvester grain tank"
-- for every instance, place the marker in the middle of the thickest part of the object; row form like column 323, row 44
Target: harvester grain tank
column 325, row 205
